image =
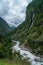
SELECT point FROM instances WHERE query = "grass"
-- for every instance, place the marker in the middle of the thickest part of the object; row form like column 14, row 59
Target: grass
column 15, row 61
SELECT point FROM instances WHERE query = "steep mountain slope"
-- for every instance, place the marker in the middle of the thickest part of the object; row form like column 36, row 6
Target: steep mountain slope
column 4, row 27
column 30, row 32
column 5, row 41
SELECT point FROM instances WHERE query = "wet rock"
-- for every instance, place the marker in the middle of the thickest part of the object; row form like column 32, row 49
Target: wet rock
column 39, row 59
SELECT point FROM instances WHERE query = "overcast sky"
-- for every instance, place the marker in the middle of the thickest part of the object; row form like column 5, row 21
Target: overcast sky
column 13, row 11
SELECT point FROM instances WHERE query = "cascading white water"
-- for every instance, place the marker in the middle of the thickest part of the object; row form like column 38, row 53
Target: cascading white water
column 32, row 20
column 27, row 54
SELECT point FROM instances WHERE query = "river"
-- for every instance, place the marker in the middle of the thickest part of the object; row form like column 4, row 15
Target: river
column 34, row 60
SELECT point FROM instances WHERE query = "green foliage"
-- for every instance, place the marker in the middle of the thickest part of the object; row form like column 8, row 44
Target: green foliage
column 5, row 47
column 5, row 40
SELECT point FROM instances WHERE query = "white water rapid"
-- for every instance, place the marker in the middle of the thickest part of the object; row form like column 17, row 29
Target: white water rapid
column 27, row 54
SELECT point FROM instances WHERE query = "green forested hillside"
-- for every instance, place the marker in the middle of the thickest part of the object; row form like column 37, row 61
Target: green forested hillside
column 5, row 42
column 30, row 32
column 4, row 27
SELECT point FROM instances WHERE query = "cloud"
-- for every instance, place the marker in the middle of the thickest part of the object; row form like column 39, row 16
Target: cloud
column 13, row 11
column 3, row 7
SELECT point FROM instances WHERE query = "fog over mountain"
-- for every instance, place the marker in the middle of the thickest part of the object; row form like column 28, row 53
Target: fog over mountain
column 13, row 11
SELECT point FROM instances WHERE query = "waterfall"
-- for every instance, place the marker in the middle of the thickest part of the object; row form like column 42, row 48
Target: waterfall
column 32, row 20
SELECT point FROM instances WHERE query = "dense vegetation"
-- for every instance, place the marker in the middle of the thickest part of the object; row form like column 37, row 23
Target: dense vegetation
column 5, row 41
column 5, row 47
column 30, row 32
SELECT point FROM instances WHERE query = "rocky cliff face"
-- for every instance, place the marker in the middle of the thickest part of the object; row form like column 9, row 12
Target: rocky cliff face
column 30, row 32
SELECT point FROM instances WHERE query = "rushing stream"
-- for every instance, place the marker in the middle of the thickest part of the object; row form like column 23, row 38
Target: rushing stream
column 27, row 54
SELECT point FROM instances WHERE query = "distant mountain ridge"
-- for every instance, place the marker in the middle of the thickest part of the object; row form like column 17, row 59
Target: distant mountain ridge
column 4, row 27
